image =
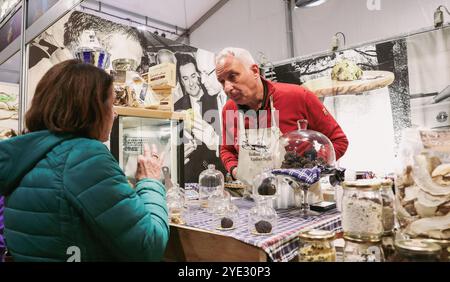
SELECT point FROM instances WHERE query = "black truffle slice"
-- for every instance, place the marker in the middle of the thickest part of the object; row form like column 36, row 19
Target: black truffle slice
column 263, row 226
column 226, row 222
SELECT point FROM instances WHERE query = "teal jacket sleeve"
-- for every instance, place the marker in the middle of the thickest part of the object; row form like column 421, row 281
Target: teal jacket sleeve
column 133, row 224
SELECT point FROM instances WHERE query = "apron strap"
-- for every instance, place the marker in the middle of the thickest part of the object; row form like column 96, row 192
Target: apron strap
column 274, row 124
column 241, row 128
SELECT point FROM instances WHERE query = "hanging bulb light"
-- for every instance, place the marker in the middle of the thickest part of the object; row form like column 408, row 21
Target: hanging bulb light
column 308, row 3
column 439, row 16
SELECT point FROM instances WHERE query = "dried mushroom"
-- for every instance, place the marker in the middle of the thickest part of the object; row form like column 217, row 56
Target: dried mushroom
column 437, row 227
column 441, row 175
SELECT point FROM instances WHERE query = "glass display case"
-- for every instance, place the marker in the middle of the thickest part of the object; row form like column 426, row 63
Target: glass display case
column 135, row 127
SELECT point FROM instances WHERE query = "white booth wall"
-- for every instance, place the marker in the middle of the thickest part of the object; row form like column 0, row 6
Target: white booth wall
column 260, row 25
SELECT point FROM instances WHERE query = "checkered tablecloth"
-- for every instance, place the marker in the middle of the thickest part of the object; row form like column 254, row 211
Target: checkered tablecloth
column 282, row 244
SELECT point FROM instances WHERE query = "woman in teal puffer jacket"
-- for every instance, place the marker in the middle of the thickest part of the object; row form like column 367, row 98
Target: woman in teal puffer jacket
column 66, row 197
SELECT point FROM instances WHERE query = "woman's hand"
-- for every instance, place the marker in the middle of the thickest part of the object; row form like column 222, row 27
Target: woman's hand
column 149, row 165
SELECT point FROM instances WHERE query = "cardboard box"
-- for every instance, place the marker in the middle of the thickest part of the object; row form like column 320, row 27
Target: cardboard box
column 162, row 76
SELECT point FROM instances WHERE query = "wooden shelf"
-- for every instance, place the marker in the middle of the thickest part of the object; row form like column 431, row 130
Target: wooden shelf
column 149, row 113
column 371, row 80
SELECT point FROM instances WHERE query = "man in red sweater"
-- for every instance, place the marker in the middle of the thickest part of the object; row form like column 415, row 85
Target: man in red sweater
column 240, row 78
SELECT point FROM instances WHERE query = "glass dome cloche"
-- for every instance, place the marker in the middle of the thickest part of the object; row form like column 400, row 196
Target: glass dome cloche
column 304, row 148
column 211, row 181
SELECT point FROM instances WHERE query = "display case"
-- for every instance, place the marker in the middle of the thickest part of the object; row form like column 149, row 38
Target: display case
column 135, row 127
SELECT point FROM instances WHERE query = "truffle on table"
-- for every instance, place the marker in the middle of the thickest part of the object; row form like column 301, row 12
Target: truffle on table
column 226, row 222
column 263, row 226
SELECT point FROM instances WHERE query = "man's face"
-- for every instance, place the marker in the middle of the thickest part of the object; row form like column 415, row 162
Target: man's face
column 238, row 82
column 190, row 79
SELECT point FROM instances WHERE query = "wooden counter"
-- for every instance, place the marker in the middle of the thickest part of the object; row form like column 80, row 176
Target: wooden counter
column 197, row 245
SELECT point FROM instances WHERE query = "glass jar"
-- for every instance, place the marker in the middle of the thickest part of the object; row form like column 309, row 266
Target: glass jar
column 262, row 219
column 175, row 205
column 265, row 185
column 387, row 195
column 362, row 251
column 444, row 244
column 210, row 181
column 316, row 246
column 417, row 250
column 226, row 215
column 422, row 184
column 362, row 210
column 387, row 243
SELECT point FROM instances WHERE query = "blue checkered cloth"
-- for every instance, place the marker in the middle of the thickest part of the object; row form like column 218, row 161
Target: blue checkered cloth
column 283, row 243
column 304, row 175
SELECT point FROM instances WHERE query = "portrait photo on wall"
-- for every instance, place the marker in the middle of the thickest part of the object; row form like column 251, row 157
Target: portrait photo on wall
column 197, row 92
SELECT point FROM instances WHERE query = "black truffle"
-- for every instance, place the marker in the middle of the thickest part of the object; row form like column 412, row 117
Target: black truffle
column 210, row 181
column 263, row 226
column 309, row 160
column 311, row 154
column 267, row 188
column 226, row 222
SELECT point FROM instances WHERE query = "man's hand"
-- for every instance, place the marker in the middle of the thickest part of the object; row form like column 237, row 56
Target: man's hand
column 149, row 165
column 234, row 172
column 204, row 132
column 189, row 147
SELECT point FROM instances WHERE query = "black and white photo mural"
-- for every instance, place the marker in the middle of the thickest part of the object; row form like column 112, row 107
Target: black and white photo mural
column 374, row 120
column 197, row 93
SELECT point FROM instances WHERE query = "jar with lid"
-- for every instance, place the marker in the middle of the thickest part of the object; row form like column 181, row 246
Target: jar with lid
column 444, row 244
column 211, row 183
column 316, row 246
column 362, row 209
column 362, row 251
column 417, row 250
column 387, row 195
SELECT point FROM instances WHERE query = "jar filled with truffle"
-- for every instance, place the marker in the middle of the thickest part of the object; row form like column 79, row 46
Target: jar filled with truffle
column 265, row 185
column 316, row 246
column 262, row 219
column 362, row 251
column 362, row 210
column 417, row 250
column 211, row 182
column 387, row 195
column 226, row 215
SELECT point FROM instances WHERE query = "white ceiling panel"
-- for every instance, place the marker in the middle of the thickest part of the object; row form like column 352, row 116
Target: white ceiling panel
column 182, row 13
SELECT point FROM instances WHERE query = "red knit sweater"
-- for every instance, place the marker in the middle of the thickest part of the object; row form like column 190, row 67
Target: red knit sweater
column 293, row 103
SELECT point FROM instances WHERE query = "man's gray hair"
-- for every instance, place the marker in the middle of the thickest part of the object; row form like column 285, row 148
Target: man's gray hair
column 242, row 55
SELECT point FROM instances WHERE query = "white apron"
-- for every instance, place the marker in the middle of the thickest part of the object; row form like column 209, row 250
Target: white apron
column 256, row 148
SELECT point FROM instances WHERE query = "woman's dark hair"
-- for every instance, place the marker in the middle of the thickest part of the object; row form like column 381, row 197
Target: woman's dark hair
column 72, row 97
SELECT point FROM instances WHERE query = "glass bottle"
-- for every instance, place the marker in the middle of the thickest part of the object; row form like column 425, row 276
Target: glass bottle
column 210, row 181
column 362, row 210
column 387, row 195
column 316, row 246
column 417, row 250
